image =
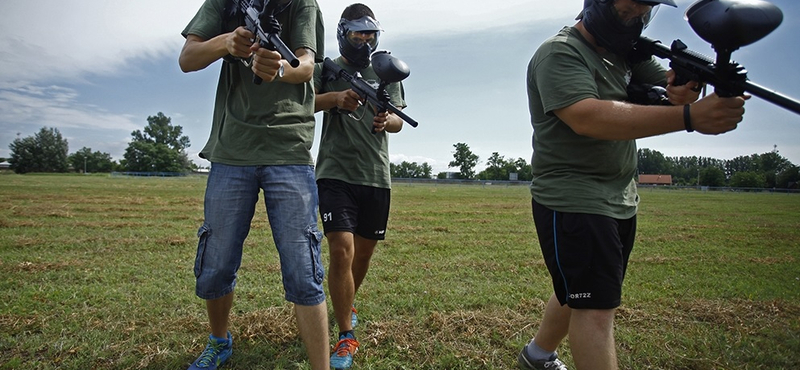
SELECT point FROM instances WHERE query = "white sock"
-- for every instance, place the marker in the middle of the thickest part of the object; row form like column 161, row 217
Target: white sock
column 537, row 353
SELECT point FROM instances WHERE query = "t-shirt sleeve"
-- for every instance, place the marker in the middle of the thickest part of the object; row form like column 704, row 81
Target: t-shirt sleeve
column 562, row 78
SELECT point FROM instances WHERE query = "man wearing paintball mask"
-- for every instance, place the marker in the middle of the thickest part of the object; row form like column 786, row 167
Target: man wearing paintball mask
column 353, row 174
column 584, row 196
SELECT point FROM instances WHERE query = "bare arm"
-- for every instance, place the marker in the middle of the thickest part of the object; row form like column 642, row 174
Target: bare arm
column 302, row 73
column 199, row 53
column 345, row 99
column 613, row 120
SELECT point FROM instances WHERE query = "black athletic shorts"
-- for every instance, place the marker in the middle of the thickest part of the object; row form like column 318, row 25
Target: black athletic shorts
column 362, row 210
column 586, row 254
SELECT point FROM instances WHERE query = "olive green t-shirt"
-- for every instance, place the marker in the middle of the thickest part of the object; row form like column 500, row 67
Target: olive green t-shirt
column 574, row 173
column 348, row 150
column 267, row 124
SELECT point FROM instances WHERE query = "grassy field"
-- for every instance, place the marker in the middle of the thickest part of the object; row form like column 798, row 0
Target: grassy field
column 96, row 273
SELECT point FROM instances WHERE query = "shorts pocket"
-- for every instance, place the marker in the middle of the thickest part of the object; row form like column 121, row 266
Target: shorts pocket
column 202, row 235
column 315, row 250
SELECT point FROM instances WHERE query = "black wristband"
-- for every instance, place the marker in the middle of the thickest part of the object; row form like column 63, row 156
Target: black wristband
column 687, row 118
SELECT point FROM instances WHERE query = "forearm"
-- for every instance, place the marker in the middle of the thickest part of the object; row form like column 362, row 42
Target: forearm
column 302, row 73
column 613, row 120
column 198, row 54
column 325, row 101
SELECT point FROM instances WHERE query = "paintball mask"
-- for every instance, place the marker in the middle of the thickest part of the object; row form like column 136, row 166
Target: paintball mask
column 616, row 28
column 358, row 38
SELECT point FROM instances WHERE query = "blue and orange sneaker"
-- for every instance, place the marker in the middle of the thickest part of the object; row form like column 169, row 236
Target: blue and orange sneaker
column 217, row 351
column 342, row 357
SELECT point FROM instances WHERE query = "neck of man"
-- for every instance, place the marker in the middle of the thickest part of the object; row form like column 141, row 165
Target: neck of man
column 587, row 35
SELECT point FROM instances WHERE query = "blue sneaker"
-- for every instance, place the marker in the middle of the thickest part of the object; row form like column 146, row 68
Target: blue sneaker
column 353, row 317
column 216, row 353
column 342, row 357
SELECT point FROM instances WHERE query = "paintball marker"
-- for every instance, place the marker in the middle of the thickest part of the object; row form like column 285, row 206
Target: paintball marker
column 388, row 68
column 726, row 25
column 254, row 12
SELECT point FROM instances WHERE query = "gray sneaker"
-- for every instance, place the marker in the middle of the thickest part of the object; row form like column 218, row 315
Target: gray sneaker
column 527, row 363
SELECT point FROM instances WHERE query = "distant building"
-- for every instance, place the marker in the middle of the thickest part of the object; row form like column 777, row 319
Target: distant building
column 5, row 165
column 655, row 180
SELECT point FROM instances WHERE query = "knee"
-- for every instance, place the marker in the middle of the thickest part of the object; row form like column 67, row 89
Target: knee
column 340, row 245
column 593, row 318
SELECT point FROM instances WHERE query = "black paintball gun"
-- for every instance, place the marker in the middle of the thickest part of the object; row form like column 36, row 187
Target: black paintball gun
column 388, row 68
column 726, row 25
column 260, row 13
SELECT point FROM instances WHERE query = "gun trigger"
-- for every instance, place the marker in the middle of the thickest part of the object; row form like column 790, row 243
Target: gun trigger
column 248, row 62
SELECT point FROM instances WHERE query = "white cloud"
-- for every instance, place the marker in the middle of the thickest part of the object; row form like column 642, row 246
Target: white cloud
column 49, row 39
column 55, row 106
column 46, row 39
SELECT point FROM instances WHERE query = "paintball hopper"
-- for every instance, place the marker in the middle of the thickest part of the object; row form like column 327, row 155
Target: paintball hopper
column 388, row 68
column 729, row 24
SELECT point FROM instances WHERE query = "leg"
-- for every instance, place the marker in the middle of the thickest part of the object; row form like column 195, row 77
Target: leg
column 591, row 338
column 290, row 194
column 350, row 256
column 341, row 284
column 218, row 314
column 231, row 195
column 229, row 205
column 555, row 325
column 365, row 248
column 311, row 322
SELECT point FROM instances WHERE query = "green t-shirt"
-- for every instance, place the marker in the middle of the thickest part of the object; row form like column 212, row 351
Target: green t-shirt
column 267, row 124
column 348, row 150
column 574, row 173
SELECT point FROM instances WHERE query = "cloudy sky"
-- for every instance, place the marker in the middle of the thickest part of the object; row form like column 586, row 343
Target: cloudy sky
column 96, row 69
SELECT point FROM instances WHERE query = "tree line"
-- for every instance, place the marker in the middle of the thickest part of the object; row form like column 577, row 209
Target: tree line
column 767, row 170
column 160, row 147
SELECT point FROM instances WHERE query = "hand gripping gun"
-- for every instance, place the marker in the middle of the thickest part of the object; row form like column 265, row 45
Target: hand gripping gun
column 726, row 25
column 388, row 68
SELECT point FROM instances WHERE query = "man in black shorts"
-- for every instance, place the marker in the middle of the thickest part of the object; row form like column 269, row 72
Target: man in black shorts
column 584, row 162
column 353, row 174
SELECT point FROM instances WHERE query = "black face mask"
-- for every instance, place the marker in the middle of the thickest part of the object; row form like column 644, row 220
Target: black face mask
column 603, row 23
column 356, row 53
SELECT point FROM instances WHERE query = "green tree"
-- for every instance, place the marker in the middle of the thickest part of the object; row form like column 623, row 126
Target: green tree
column 712, row 176
column 770, row 165
column 46, row 151
column 497, row 168
column 789, row 178
column 411, row 170
column 740, row 164
column 651, row 162
column 523, row 170
column 748, row 179
column 160, row 148
column 86, row 161
column 465, row 160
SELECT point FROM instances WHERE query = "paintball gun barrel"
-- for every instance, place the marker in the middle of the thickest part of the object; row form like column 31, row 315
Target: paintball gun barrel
column 727, row 25
column 256, row 10
column 388, row 68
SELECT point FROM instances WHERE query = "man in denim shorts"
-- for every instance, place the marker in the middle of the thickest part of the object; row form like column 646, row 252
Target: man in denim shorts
column 260, row 141
column 353, row 171
column 583, row 191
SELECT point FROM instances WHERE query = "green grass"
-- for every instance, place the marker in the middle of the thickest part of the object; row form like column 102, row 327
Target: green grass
column 96, row 273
